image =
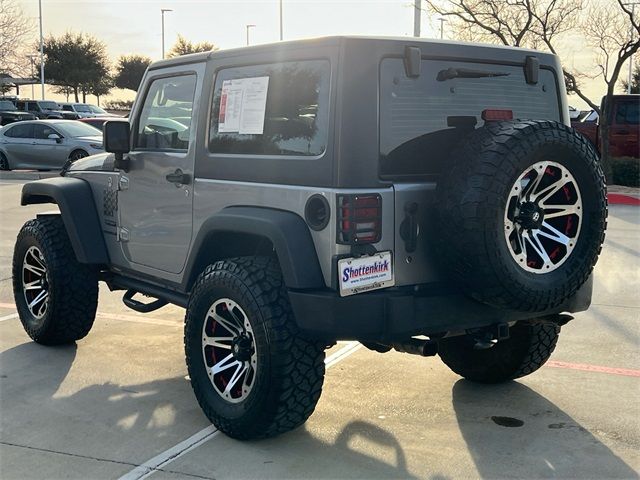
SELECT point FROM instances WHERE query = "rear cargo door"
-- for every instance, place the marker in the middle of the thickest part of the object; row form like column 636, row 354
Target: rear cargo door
column 422, row 119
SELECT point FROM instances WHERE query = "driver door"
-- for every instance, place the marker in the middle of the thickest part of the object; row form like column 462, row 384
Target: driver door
column 156, row 195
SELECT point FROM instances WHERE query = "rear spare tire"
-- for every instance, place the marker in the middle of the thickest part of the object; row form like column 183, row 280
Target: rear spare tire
column 522, row 214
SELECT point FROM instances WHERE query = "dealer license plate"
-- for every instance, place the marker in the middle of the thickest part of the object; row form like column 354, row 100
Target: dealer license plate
column 367, row 273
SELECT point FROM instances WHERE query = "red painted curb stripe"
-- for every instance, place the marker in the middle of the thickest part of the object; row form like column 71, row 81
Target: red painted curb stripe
column 627, row 372
column 620, row 199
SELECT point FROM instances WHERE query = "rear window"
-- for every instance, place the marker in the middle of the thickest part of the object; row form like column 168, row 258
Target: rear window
column 628, row 113
column 422, row 119
column 274, row 109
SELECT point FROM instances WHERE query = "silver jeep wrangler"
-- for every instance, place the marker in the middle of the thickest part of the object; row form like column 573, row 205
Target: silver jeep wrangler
column 416, row 195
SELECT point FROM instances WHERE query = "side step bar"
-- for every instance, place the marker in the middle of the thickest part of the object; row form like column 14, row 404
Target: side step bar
column 141, row 307
column 133, row 286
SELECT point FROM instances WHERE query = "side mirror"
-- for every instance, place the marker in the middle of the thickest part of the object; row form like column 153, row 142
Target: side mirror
column 55, row 136
column 117, row 135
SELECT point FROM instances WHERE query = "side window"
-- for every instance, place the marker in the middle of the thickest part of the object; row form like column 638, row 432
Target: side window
column 67, row 108
column 42, row 132
column 274, row 109
column 165, row 120
column 20, row 131
column 32, row 107
column 628, row 113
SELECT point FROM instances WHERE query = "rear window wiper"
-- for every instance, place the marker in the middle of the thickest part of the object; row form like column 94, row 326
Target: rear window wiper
column 450, row 73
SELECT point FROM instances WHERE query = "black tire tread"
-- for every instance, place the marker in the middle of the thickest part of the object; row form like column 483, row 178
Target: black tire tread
column 529, row 347
column 467, row 199
column 298, row 363
column 73, row 285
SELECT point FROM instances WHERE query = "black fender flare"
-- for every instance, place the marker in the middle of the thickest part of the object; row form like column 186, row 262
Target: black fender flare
column 287, row 231
column 75, row 201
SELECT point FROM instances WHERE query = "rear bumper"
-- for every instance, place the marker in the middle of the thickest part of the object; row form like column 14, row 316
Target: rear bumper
column 391, row 314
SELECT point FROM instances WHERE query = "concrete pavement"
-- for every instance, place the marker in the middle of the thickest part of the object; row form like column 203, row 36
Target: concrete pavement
column 119, row 397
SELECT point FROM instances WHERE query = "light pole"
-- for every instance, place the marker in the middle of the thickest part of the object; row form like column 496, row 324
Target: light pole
column 162, row 12
column 248, row 27
column 41, row 50
column 442, row 20
column 33, row 75
column 281, row 36
column 416, row 17
column 633, row 11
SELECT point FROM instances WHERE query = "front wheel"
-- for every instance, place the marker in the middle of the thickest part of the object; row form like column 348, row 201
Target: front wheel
column 55, row 295
column 529, row 346
column 4, row 162
column 77, row 155
column 253, row 373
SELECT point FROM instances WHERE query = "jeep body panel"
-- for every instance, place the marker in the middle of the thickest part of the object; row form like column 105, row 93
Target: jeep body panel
column 160, row 235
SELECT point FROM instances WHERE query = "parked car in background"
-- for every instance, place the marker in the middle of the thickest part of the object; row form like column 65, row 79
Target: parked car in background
column 85, row 110
column 9, row 113
column 46, row 144
column 97, row 122
column 624, row 127
column 574, row 113
column 45, row 109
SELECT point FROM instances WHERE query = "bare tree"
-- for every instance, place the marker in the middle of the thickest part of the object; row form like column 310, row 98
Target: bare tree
column 519, row 23
column 15, row 32
column 542, row 24
column 614, row 33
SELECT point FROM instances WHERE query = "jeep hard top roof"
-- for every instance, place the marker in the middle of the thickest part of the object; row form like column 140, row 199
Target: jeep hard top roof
column 385, row 45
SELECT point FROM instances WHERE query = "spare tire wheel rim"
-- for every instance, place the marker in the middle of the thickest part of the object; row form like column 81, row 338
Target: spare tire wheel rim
column 35, row 284
column 229, row 351
column 543, row 217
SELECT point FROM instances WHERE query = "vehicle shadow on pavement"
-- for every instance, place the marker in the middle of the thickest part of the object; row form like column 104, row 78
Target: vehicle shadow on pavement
column 360, row 450
column 543, row 440
column 43, row 412
column 46, row 406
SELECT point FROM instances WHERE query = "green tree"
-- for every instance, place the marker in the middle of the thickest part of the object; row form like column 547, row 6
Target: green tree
column 635, row 81
column 77, row 61
column 130, row 70
column 184, row 47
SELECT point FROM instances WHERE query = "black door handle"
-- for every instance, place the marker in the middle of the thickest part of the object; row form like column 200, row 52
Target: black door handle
column 178, row 177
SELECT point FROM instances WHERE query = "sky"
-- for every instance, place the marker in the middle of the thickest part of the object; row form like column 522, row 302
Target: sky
column 134, row 27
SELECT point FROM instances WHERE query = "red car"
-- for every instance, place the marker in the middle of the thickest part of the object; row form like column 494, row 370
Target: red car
column 624, row 130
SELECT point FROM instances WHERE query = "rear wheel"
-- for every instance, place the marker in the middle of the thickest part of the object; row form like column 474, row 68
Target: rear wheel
column 253, row 373
column 55, row 295
column 528, row 347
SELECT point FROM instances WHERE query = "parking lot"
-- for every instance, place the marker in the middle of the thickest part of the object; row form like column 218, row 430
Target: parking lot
column 118, row 402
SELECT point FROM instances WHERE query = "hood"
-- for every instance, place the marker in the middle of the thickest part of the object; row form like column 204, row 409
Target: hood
column 90, row 163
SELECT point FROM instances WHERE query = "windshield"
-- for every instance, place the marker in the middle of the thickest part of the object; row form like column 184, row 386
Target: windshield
column 6, row 105
column 49, row 105
column 95, row 109
column 77, row 129
column 83, row 108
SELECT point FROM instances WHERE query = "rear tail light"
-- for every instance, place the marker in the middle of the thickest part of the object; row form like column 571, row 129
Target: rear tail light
column 359, row 219
column 497, row 115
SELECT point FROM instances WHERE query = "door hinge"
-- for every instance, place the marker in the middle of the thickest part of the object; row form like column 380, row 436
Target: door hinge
column 123, row 183
column 123, row 234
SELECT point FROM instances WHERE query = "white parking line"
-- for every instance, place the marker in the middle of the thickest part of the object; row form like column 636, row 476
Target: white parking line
column 168, row 456
column 110, row 316
column 9, row 317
